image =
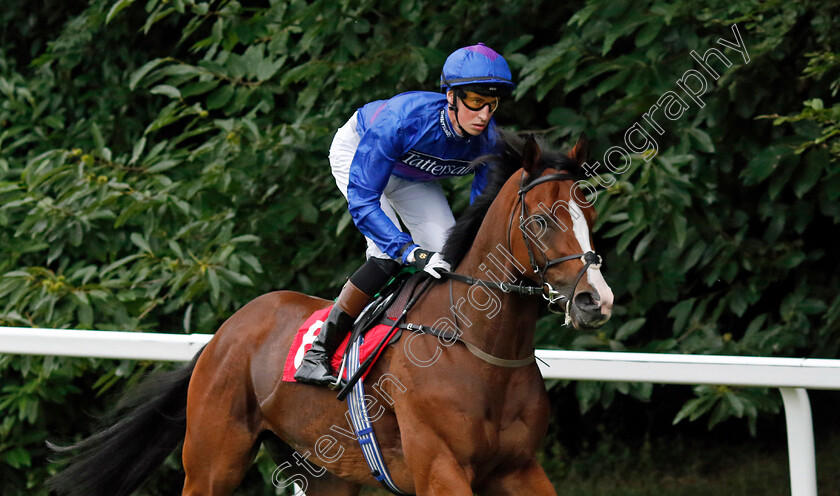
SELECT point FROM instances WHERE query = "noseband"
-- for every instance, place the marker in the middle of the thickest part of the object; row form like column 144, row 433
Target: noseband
column 590, row 259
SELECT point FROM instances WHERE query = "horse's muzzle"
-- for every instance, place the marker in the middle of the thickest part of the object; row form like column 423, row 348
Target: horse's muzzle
column 589, row 311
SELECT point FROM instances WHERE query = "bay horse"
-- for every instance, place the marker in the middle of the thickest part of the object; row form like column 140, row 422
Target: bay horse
column 452, row 417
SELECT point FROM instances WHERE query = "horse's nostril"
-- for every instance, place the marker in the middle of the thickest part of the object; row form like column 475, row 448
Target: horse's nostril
column 586, row 301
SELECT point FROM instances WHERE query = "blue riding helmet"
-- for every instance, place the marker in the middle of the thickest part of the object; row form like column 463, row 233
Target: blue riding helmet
column 477, row 65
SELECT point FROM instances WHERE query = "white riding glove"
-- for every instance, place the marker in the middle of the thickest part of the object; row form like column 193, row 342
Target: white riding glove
column 428, row 261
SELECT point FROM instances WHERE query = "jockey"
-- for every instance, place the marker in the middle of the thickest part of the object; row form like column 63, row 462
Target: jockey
column 386, row 160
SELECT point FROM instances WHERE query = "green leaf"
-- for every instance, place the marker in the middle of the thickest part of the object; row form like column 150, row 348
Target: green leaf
column 738, row 302
column 810, row 171
column 140, row 73
column 236, row 277
column 688, row 409
column 696, row 408
column 517, row 43
column 814, row 103
column 199, row 88
column 587, row 341
column 165, row 89
column 611, row 82
column 643, row 244
column 308, row 212
column 246, row 238
column 625, row 240
column 97, row 138
column 648, row 33
column 162, row 166
column 119, row 263
column 762, row 165
column 343, row 222
column 720, row 412
column 629, row 328
column 680, row 313
column 735, row 403
column 266, row 69
column 693, row 256
column 188, row 317
column 680, row 224
column 702, row 140
column 140, row 242
column 137, row 150
column 220, row 97
column 588, row 393
column 156, row 17
column 173, row 245
column 582, row 16
column 116, row 8
column 17, row 458
column 618, row 229
column 252, row 261
column 213, row 279
column 566, row 120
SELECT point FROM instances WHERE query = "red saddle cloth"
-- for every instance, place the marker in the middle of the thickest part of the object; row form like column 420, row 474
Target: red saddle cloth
column 310, row 329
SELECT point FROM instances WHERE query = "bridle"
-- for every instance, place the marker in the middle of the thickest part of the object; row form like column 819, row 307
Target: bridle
column 590, row 259
column 558, row 302
column 554, row 297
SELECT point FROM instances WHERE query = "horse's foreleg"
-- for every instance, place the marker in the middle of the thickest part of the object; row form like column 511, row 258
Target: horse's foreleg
column 442, row 476
column 529, row 479
column 435, row 470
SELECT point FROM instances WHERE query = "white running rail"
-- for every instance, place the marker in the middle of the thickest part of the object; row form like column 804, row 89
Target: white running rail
column 791, row 375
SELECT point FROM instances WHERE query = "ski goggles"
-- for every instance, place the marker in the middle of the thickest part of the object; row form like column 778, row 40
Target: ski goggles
column 476, row 102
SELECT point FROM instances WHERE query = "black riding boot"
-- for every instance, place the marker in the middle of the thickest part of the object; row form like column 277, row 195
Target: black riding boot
column 315, row 368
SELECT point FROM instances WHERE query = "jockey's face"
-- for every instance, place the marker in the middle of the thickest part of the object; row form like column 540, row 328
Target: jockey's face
column 473, row 121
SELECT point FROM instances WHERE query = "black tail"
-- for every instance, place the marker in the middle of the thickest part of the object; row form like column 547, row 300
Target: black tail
column 149, row 423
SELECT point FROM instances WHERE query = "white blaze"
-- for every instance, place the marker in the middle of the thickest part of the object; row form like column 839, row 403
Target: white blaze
column 593, row 274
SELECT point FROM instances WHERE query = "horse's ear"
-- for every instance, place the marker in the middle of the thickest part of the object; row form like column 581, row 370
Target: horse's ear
column 580, row 152
column 531, row 155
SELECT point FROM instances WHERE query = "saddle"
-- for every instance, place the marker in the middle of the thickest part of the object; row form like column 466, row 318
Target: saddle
column 371, row 326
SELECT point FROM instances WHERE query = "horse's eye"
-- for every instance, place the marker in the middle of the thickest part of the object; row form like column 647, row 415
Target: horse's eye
column 545, row 221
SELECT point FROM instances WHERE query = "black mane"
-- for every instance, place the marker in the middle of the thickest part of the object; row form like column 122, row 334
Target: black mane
column 502, row 166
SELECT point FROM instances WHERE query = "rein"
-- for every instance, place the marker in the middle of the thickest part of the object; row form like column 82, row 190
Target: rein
column 504, row 287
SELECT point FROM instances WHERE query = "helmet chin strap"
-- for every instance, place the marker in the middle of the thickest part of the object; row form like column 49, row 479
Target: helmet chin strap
column 454, row 108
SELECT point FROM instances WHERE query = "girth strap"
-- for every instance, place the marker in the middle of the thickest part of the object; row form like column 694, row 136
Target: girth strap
column 358, row 405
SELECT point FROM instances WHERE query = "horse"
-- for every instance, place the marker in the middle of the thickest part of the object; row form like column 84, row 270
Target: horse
column 452, row 416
